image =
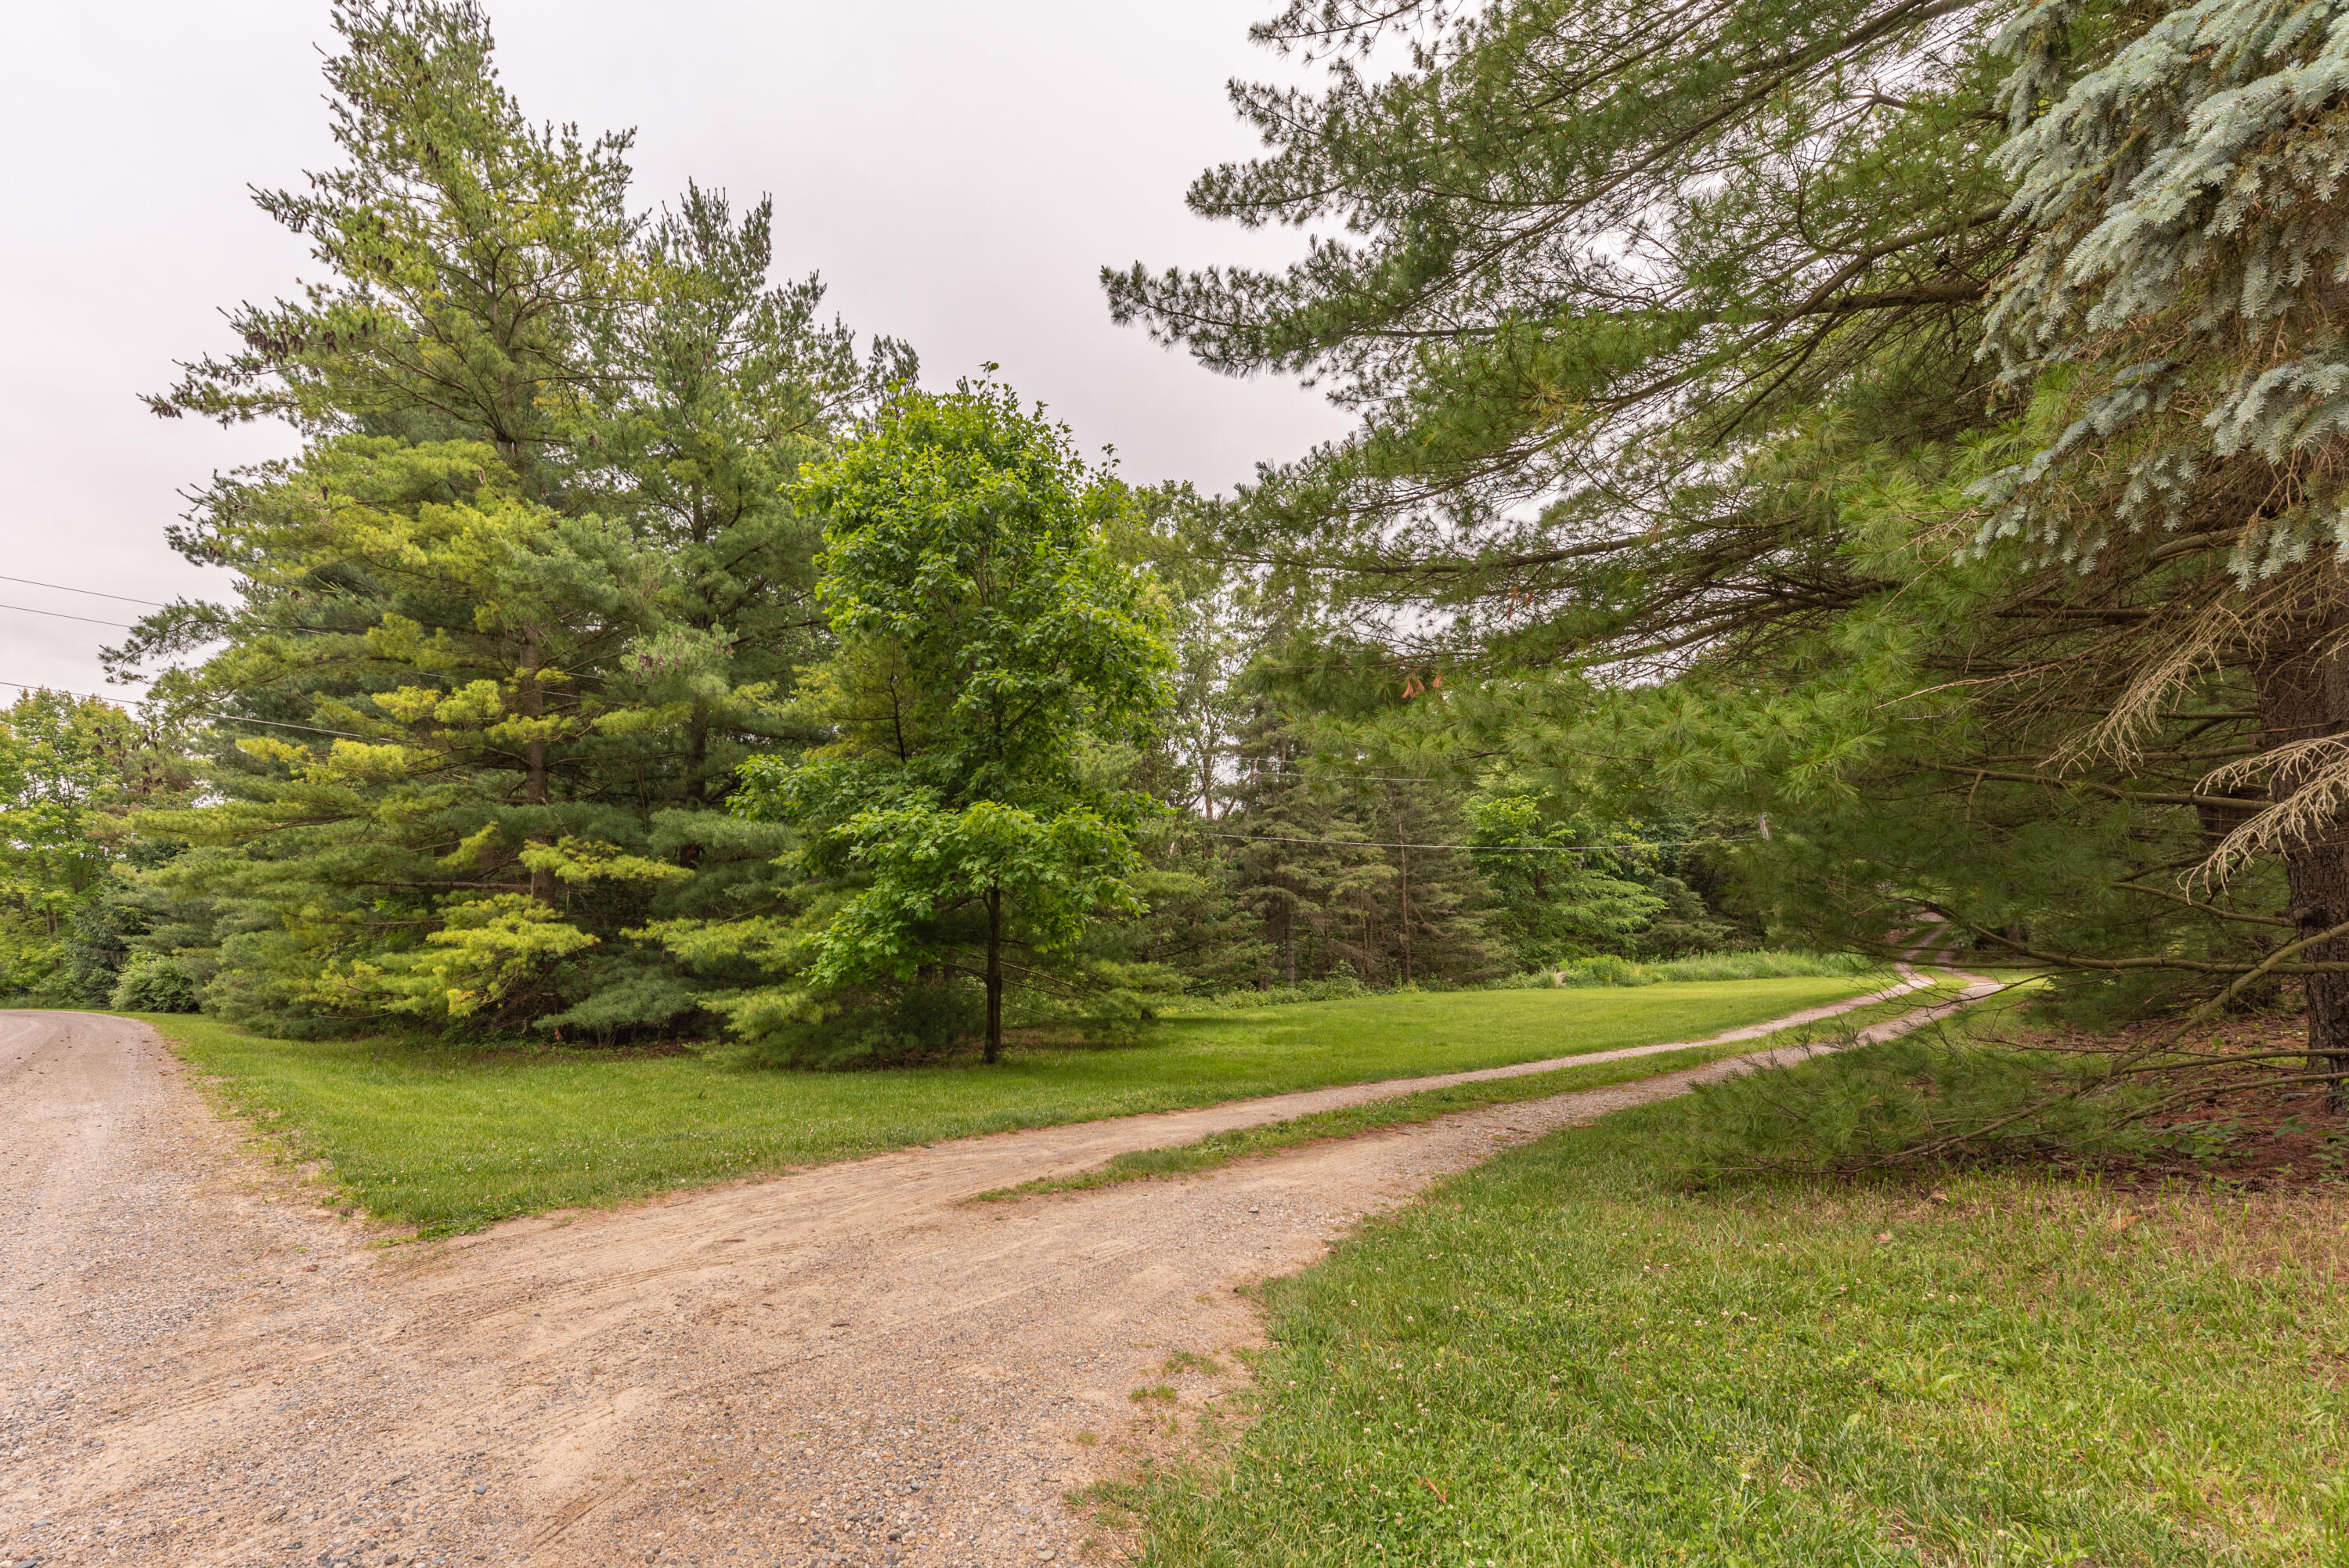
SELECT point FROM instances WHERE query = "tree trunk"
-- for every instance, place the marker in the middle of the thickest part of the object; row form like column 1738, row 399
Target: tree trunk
column 534, row 788
column 1289, row 937
column 994, row 973
column 1402, row 851
column 2304, row 692
column 697, row 755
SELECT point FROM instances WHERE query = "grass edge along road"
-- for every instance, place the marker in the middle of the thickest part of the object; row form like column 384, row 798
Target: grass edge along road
column 448, row 1138
column 1220, row 1149
column 1569, row 1357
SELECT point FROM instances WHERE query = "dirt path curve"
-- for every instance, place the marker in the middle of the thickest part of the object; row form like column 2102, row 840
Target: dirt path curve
column 850, row 1366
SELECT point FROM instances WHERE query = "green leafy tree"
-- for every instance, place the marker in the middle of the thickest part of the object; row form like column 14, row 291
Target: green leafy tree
column 71, row 769
column 993, row 655
column 1558, row 897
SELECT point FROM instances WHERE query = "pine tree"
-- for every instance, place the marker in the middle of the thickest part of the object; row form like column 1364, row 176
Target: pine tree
column 2178, row 323
column 1297, row 863
column 1676, row 422
column 533, row 590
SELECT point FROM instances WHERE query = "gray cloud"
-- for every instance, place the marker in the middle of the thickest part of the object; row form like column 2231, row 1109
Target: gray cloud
column 957, row 174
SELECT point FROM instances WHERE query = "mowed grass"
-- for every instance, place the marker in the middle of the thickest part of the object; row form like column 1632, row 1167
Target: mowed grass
column 1565, row 1357
column 450, row 1140
column 1220, row 1149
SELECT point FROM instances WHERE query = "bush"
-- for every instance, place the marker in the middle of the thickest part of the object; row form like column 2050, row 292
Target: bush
column 155, row 983
column 1883, row 1105
column 1600, row 969
column 874, row 1027
column 1606, row 969
column 1337, row 990
column 1764, row 964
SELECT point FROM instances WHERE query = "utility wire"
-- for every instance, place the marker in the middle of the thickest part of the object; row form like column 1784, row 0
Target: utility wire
column 125, row 625
column 1501, row 848
column 92, row 695
column 225, row 717
column 63, row 588
column 60, row 614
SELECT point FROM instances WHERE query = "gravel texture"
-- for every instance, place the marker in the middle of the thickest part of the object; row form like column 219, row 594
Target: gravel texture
column 853, row 1365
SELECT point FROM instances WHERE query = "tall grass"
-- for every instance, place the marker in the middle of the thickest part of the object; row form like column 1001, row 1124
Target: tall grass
column 1604, row 969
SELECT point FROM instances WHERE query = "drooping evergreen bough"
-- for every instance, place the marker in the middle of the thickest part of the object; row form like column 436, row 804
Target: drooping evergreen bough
column 1915, row 426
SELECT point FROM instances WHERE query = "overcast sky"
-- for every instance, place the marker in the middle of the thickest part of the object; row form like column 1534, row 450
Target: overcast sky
column 957, row 172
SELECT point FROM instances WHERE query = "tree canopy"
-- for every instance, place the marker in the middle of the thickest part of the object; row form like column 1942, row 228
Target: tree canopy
column 994, row 664
column 1817, row 469
column 1907, row 425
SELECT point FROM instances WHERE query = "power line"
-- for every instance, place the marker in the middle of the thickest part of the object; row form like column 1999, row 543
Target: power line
column 94, row 697
column 1498, row 849
column 223, row 717
column 63, row 588
column 1309, row 775
column 127, row 626
column 60, row 614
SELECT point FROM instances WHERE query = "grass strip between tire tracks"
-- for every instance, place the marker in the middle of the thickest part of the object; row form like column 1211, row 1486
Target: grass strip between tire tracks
column 1220, row 1149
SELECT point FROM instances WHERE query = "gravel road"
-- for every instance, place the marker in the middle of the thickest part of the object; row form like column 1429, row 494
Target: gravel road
column 850, row 1366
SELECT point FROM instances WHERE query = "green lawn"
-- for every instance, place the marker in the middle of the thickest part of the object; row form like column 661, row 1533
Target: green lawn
column 450, row 1140
column 1220, row 1149
column 1564, row 1357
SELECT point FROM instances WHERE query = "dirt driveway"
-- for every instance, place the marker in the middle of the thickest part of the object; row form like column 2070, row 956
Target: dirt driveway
column 851, row 1365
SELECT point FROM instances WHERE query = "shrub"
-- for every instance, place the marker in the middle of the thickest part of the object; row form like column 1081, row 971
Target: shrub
column 875, row 1026
column 1763, row 963
column 156, row 983
column 1889, row 1104
column 1337, row 990
column 1606, row 969
column 1599, row 969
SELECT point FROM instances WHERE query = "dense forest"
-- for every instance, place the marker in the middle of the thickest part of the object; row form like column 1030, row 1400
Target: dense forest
column 1818, row 469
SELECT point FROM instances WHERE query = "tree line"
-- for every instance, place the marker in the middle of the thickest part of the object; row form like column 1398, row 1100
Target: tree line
column 1818, row 468
column 632, row 649
column 1916, row 425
